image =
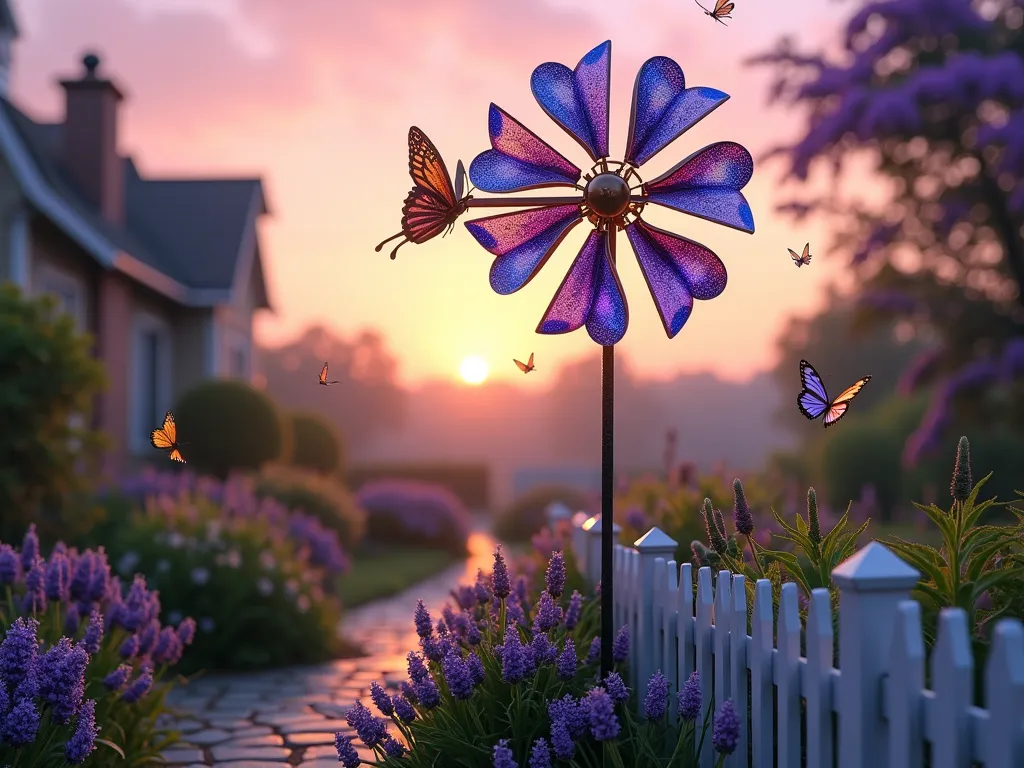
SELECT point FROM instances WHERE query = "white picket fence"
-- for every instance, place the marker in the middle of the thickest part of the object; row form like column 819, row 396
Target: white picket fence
column 884, row 714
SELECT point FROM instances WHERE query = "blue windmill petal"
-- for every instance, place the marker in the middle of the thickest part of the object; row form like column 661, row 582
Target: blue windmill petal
column 519, row 159
column 664, row 108
column 578, row 100
column 609, row 315
column 707, row 184
column 523, row 241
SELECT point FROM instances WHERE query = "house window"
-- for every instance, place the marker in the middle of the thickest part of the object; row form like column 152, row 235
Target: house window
column 151, row 372
column 68, row 290
column 151, row 377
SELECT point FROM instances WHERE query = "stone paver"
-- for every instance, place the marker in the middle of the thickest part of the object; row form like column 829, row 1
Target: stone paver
column 289, row 716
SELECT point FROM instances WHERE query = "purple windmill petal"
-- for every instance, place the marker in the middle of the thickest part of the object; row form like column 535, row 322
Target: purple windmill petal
column 707, row 184
column 522, row 241
column 677, row 271
column 590, row 295
column 578, row 99
column 663, row 108
column 519, row 160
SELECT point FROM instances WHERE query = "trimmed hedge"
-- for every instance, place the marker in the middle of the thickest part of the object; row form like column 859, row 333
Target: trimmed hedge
column 470, row 482
column 317, row 444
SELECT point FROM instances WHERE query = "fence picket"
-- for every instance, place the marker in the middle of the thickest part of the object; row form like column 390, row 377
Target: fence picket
column 738, row 664
column 656, row 646
column 787, row 677
column 1004, row 696
column 905, row 683
column 685, row 664
column 669, row 654
column 952, row 680
column 818, row 688
column 762, row 700
column 721, row 637
column 703, row 661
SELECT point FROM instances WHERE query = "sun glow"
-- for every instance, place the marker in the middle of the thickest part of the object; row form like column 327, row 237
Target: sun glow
column 473, row 369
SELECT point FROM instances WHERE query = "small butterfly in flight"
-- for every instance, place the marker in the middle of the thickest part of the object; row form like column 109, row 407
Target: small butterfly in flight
column 525, row 367
column 723, row 9
column 434, row 204
column 166, row 438
column 813, row 399
column 323, row 377
column 803, row 258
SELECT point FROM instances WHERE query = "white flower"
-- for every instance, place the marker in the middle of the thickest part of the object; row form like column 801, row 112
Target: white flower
column 233, row 558
column 200, row 576
column 163, row 566
column 206, row 624
column 175, row 540
column 302, row 603
column 265, row 586
column 127, row 562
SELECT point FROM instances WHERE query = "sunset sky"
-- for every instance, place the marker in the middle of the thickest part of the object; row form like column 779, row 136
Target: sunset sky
column 317, row 97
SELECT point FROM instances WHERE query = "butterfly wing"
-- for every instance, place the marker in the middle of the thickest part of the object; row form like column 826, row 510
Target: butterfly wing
column 723, row 8
column 813, row 399
column 522, row 366
column 323, row 374
column 793, row 255
column 424, row 215
column 169, row 427
column 851, row 392
column 428, row 169
column 530, row 361
column 835, row 412
column 460, row 180
column 806, row 255
column 160, row 439
column 176, row 456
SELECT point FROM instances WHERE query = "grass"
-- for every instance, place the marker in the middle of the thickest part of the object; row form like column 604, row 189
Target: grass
column 379, row 573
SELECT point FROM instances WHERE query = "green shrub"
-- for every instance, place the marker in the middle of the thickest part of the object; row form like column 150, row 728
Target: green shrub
column 230, row 425
column 864, row 454
column 48, row 382
column 526, row 515
column 317, row 444
column 323, row 497
column 470, row 482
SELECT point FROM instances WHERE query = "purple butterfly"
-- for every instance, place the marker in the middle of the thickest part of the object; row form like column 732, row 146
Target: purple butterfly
column 813, row 399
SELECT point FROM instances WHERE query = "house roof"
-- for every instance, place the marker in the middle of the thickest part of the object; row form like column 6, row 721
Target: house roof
column 190, row 239
column 7, row 20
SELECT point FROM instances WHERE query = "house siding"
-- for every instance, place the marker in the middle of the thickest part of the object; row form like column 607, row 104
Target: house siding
column 57, row 266
column 11, row 208
column 233, row 325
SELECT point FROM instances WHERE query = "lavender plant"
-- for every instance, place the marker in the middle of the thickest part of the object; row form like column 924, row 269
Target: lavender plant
column 81, row 656
column 419, row 514
column 507, row 679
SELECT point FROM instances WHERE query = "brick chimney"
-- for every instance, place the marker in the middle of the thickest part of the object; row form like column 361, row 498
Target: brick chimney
column 90, row 140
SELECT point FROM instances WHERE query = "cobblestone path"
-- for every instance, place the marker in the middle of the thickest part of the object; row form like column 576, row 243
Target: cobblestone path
column 289, row 716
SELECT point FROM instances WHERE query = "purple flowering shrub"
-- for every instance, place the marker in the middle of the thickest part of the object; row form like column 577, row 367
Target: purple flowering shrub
column 408, row 512
column 257, row 577
column 509, row 678
column 82, row 660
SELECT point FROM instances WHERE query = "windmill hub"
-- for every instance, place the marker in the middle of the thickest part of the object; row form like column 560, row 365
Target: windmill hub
column 607, row 195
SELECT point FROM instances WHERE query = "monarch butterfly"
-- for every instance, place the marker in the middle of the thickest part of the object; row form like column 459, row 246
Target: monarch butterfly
column 803, row 258
column 723, row 9
column 813, row 399
column 166, row 438
column 433, row 205
column 525, row 367
column 323, row 377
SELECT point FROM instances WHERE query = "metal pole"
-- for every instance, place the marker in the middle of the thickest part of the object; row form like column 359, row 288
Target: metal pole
column 607, row 490
column 520, row 202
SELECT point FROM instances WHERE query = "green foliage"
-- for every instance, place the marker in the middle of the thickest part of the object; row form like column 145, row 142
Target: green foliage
column 48, row 381
column 526, row 515
column 258, row 602
column 317, row 444
column 379, row 573
column 321, row 496
column 230, row 425
column 864, row 454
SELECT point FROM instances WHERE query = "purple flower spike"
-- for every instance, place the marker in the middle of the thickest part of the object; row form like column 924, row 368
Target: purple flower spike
column 503, row 757
column 30, row 548
column 562, row 741
column 56, row 583
column 424, row 626
column 567, row 661
column 594, row 655
column 371, row 730
column 139, row 687
column 689, row 699
column 417, row 669
column 726, row 732
column 476, row 669
column 403, row 709
column 620, row 646
column 741, row 515
column 604, row 725
column 549, row 615
column 500, row 584
column 616, row 688
column 656, row 701
column 554, row 578
column 572, row 613
column 187, row 631
column 381, row 700
column 540, row 755
column 457, row 675
column 393, row 748
column 19, row 652
column 21, row 724
column 83, row 741
column 347, row 754
column 117, row 679
column 10, row 566
column 513, row 659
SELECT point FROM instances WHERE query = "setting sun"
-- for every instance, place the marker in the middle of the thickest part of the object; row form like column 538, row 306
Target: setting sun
column 473, row 369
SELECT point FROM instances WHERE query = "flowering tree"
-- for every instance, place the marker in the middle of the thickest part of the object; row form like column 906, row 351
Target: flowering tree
column 934, row 91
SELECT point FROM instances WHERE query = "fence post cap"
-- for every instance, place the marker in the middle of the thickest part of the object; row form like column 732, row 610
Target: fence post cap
column 656, row 541
column 556, row 510
column 875, row 568
column 579, row 519
column 590, row 522
column 596, row 527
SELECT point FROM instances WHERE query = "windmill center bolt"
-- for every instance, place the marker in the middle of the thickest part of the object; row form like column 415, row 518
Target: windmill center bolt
column 607, row 195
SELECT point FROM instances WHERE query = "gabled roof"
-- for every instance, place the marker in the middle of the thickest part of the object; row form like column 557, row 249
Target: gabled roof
column 7, row 20
column 189, row 239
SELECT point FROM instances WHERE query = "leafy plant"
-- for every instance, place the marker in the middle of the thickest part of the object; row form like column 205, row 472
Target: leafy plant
column 526, row 515
column 48, row 383
column 323, row 497
column 400, row 512
column 317, row 444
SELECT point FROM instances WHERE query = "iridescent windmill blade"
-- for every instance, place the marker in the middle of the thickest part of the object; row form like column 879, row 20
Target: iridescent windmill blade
column 590, row 295
column 677, row 271
column 578, row 100
column 664, row 108
column 522, row 241
column 519, row 160
column 460, row 180
column 707, row 184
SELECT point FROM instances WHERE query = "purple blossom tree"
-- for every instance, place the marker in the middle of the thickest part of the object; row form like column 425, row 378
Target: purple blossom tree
column 933, row 92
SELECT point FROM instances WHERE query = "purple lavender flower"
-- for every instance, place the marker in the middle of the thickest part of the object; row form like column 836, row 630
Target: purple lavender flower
column 100, row 581
column 567, row 661
column 620, row 645
column 408, row 691
column 464, row 595
column 117, row 679
column 19, row 653
column 457, row 675
column 442, row 628
column 540, row 755
column 688, row 700
column 147, row 637
column 521, row 589
column 656, row 701
column 427, row 693
column 130, row 647
column 616, row 688
column 347, row 754
column 83, row 741
column 594, row 655
column 55, row 584
column 572, row 613
column 473, row 636
column 72, row 619
column 476, row 668
column 393, row 748
column 403, row 709
column 549, row 614
column 417, row 669
column 371, row 730
column 726, row 731
column 137, row 605
column 514, row 664
column 544, row 651
column 63, row 687
column 962, row 485
column 514, row 612
column 604, row 725
column 480, row 588
column 22, row 723
column 500, row 584
column 10, row 566
column 561, row 740
column 139, row 687
column 460, row 623
column 168, row 647
column 572, row 712
column 29, row 548
column 424, row 625
column 503, row 757
column 741, row 515
column 432, row 648
column 34, row 600
column 187, row 631
column 554, row 577
column 381, row 700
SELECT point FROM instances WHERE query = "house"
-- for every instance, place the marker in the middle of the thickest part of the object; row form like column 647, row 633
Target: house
column 166, row 274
